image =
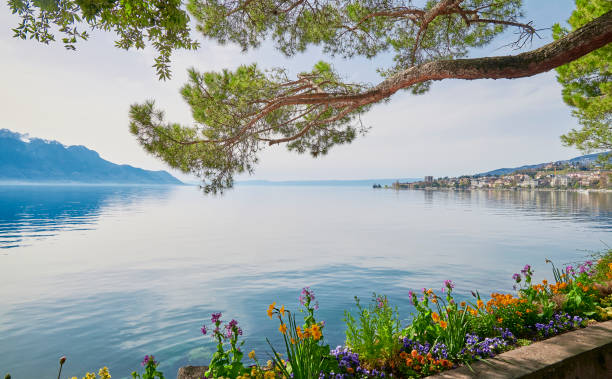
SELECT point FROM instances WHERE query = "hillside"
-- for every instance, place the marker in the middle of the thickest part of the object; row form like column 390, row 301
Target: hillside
column 35, row 160
column 583, row 159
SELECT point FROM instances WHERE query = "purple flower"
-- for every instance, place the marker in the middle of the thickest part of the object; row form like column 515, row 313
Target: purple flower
column 215, row 317
column 449, row 284
column 148, row 359
column 233, row 323
column 526, row 270
column 204, row 331
column 517, row 278
column 412, row 296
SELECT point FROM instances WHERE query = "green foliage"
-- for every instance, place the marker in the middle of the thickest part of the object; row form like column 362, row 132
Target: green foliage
column 603, row 266
column 307, row 355
column 375, row 336
column 449, row 325
column 235, row 121
column 587, row 84
column 160, row 22
column 351, row 28
column 150, row 370
column 226, row 363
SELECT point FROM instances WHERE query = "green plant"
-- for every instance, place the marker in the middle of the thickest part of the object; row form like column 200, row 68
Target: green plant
column 449, row 325
column 225, row 363
column 376, row 334
column 603, row 266
column 150, row 366
column 307, row 356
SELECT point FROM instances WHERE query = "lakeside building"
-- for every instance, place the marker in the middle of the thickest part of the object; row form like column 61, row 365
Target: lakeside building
column 598, row 179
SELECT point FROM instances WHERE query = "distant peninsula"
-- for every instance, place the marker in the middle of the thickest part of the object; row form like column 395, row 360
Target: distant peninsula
column 33, row 160
column 583, row 173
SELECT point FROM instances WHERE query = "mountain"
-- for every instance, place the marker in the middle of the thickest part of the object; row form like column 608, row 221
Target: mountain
column 583, row 160
column 24, row 159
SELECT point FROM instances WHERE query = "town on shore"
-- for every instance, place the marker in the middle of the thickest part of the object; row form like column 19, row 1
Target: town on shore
column 558, row 175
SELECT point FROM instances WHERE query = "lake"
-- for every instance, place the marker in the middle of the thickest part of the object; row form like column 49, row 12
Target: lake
column 105, row 275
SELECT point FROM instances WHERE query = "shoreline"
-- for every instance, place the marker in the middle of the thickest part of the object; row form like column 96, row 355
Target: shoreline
column 584, row 190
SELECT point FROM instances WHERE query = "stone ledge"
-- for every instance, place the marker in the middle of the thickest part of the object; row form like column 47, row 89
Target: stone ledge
column 583, row 353
column 191, row 372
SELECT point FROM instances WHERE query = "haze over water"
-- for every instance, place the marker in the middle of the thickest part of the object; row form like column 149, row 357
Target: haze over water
column 105, row 275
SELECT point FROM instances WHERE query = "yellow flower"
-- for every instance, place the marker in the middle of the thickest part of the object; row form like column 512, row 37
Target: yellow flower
column 90, row 375
column 103, row 373
column 435, row 317
column 252, row 354
column 282, row 310
column 282, row 328
column 480, row 303
column 269, row 375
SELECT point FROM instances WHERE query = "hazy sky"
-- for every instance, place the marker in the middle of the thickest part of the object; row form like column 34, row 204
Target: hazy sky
column 459, row 127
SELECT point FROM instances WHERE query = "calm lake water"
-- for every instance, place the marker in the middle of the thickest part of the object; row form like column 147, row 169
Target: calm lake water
column 105, row 275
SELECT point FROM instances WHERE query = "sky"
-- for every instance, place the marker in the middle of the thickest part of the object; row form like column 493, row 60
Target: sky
column 459, row 127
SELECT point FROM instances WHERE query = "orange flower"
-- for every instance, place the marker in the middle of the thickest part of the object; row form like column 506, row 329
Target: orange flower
column 500, row 320
column 408, row 362
column 282, row 328
column 414, row 353
column 435, row 317
column 462, row 304
column 417, row 368
column 299, row 333
column 544, row 282
column 282, row 310
column 315, row 331
column 270, row 311
column 480, row 303
column 350, row 370
column 403, row 355
column 443, row 324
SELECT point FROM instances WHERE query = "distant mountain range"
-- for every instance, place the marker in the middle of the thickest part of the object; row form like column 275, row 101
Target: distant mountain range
column 34, row 160
column 583, row 159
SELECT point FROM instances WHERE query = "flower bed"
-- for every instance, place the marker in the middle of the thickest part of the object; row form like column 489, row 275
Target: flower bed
column 444, row 333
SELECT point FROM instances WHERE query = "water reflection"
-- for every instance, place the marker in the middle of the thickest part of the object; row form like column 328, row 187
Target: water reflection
column 593, row 206
column 32, row 212
column 150, row 264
